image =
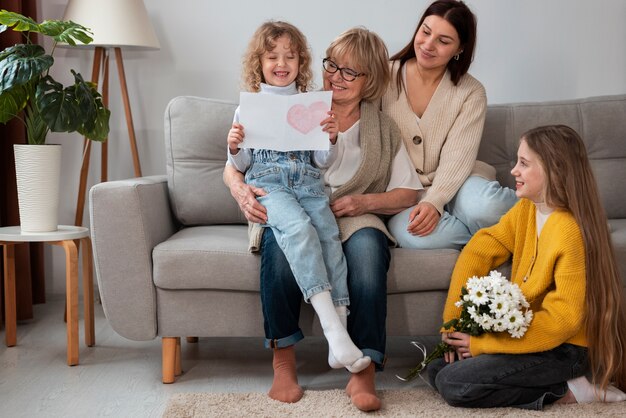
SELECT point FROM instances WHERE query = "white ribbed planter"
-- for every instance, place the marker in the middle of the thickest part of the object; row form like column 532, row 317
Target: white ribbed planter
column 38, row 173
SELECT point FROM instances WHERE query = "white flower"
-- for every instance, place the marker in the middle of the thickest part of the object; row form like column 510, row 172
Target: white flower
column 514, row 319
column 486, row 322
column 528, row 316
column 495, row 274
column 478, row 295
column 499, row 325
column 518, row 333
column 507, row 308
column 499, row 305
column 473, row 313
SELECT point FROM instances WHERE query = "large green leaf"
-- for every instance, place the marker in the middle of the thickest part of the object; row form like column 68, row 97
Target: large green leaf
column 18, row 22
column 100, row 130
column 21, row 64
column 57, row 106
column 12, row 102
column 75, row 108
column 95, row 117
column 68, row 32
column 60, row 31
column 84, row 93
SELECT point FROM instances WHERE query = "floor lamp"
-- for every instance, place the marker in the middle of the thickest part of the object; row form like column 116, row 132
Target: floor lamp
column 115, row 25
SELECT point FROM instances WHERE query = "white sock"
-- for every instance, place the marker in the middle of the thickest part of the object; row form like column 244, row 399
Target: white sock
column 343, row 349
column 342, row 313
column 585, row 392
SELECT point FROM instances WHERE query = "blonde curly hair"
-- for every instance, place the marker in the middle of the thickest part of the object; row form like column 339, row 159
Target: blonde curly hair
column 263, row 40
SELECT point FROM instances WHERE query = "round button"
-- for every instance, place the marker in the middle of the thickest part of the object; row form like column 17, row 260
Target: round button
column 417, row 139
column 419, row 171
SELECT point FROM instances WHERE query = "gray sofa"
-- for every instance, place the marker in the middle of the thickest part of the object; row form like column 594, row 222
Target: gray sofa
column 171, row 252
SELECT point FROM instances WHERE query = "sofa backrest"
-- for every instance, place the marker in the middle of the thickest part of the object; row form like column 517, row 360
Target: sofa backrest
column 195, row 153
column 601, row 122
column 195, row 145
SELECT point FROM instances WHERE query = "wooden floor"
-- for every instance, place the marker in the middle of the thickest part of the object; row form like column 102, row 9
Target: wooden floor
column 120, row 377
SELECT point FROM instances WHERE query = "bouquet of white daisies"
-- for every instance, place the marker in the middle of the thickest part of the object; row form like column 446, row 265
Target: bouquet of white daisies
column 488, row 304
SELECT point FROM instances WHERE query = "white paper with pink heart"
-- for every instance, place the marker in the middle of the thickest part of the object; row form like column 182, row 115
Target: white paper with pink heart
column 284, row 123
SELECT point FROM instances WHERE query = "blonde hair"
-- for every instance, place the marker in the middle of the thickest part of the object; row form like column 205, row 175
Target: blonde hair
column 571, row 185
column 369, row 54
column 263, row 40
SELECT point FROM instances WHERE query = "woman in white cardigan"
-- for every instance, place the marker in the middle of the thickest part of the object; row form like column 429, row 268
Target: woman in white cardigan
column 440, row 110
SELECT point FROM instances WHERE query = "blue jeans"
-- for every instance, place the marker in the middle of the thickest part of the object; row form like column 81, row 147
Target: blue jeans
column 367, row 255
column 479, row 203
column 299, row 214
column 527, row 381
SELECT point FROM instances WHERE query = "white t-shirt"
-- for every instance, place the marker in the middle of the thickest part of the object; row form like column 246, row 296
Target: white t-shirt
column 541, row 216
column 348, row 159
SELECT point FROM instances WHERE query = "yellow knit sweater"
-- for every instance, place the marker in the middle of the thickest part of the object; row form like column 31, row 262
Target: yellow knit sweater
column 550, row 272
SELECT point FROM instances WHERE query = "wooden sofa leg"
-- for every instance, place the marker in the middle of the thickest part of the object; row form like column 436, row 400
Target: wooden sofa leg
column 169, row 358
column 178, row 370
column 192, row 340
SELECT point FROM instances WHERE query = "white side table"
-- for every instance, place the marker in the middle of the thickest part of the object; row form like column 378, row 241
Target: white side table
column 68, row 237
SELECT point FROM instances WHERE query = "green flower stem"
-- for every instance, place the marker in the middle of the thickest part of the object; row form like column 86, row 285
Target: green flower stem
column 439, row 351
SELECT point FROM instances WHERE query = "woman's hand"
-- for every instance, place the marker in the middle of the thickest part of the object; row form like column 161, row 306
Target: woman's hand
column 352, row 205
column 461, row 344
column 245, row 195
column 423, row 219
column 235, row 137
column 331, row 125
column 386, row 203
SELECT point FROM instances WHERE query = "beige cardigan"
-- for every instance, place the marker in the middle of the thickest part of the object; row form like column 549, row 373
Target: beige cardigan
column 380, row 142
column 444, row 144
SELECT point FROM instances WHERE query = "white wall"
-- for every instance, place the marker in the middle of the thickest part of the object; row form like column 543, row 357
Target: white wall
column 528, row 50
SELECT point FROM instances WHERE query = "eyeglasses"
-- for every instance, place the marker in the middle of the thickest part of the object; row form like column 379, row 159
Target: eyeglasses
column 348, row 74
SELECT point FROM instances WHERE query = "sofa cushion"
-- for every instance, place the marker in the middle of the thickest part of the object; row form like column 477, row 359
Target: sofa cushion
column 195, row 153
column 217, row 258
column 434, row 267
column 207, row 257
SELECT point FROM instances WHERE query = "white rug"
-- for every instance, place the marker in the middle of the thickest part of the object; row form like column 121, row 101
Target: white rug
column 420, row 402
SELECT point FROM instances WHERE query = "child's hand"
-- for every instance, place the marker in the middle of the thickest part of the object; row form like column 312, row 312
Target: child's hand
column 235, row 137
column 331, row 126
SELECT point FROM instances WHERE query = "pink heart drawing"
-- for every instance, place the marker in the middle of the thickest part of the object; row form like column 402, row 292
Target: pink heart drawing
column 305, row 119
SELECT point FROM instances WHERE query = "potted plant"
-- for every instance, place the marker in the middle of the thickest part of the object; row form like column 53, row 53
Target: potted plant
column 28, row 92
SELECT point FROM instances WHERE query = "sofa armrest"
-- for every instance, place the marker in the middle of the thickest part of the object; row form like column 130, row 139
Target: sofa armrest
column 128, row 219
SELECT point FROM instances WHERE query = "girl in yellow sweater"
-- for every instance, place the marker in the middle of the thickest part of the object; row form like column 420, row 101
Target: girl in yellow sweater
column 562, row 258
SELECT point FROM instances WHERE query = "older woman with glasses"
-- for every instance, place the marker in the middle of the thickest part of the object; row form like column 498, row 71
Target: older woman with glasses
column 371, row 176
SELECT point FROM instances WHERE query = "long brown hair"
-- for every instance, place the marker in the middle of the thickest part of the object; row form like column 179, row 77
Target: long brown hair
column 571, row 185
column 263, row 40
column 463, row 20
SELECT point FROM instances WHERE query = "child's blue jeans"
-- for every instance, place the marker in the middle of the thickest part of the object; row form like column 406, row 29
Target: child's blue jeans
column 299, row 214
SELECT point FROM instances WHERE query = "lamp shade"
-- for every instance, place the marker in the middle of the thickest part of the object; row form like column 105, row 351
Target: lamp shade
column 114, row 23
